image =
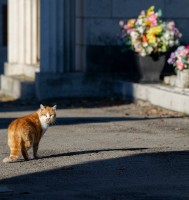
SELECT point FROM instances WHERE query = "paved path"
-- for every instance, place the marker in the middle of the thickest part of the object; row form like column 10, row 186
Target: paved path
column 108, row 153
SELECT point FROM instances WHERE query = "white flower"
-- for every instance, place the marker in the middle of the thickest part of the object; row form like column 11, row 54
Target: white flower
column 171, row 43
column 177, row 42
column 171, row 33
column 141, row 30
column 180, row 34
column 145, row 44
column 167, row 35
column 134, row 34
column 143, row 53
column 145, row 39
column 139, row 21
column 149, row 50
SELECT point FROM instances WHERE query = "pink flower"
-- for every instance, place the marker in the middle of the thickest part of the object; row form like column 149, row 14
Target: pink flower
column 121, row 23
column 135, row 28
column 171, row 25
column 143, row 13
column 172, row 58
column 126, row 27
column 153, row 19
column 187, row 47
column 179, row 65
column 184, row 52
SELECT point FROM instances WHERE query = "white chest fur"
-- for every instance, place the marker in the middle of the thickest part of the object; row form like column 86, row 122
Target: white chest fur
column 44, row 124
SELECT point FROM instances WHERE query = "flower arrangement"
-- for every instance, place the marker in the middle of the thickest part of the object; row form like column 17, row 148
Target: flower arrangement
column 148, row 34
column 180, row 58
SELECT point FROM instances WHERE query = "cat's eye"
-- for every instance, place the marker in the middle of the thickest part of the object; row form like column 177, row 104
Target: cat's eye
column 49, row 115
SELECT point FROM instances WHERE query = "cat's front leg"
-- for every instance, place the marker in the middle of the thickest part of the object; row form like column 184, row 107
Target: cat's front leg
column 35, row 149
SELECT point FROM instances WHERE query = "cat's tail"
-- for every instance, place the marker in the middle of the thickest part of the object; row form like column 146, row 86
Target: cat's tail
column 14, row 155
column 15, row 150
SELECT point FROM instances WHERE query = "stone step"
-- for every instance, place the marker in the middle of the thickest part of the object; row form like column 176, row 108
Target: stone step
column 165, row 96
column 4, row 97
column 18, row 87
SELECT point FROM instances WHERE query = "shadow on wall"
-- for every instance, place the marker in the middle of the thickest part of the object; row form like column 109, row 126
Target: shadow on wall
column 110, row 59
column 144, row 176
column 118, row 59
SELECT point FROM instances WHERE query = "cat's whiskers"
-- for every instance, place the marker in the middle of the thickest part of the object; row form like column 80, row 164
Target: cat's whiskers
column 54, row 123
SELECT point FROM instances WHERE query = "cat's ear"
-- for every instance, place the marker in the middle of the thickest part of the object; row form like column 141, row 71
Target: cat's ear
column 54, row 107
column 41, row 106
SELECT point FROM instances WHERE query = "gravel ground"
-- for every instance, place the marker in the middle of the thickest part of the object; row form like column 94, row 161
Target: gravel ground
column 101, row 149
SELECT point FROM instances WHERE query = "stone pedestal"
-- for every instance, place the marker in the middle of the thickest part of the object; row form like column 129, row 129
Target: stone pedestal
column 182, row 78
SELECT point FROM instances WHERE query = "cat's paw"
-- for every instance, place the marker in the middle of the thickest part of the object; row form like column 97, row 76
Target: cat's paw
column 36, row 157
column 6, row 160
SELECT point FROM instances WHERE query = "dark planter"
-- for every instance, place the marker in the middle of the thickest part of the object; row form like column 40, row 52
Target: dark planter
column 149, row 68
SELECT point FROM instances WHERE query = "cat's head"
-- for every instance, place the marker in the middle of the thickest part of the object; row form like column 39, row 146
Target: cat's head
column 47, row 114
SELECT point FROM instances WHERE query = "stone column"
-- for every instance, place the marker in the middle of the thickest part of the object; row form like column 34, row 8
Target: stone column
column 57, row 51
column 57, row 36
column 23, row 33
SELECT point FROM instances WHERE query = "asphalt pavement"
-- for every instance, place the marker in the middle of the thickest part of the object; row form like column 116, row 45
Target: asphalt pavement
column 105, row 152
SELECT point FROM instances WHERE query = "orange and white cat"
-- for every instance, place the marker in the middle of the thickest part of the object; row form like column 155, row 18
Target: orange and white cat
column 27, row 131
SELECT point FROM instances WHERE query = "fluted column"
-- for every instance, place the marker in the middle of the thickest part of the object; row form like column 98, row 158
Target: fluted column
column 23, row 33
column 57, row 36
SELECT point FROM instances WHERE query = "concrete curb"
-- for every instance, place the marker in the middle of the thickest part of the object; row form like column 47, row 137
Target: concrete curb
column 172, row 98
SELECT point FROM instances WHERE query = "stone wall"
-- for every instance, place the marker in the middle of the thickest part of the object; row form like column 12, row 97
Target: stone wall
column 98, row 32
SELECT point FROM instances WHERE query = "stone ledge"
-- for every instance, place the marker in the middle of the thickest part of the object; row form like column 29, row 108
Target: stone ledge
column 158, row 94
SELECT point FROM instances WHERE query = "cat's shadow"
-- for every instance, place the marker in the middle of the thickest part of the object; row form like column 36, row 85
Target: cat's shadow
column 75, row 153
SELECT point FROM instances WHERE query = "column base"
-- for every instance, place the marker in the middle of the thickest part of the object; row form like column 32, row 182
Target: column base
column 18, row 87
column 11, row 69
column 52, row 85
